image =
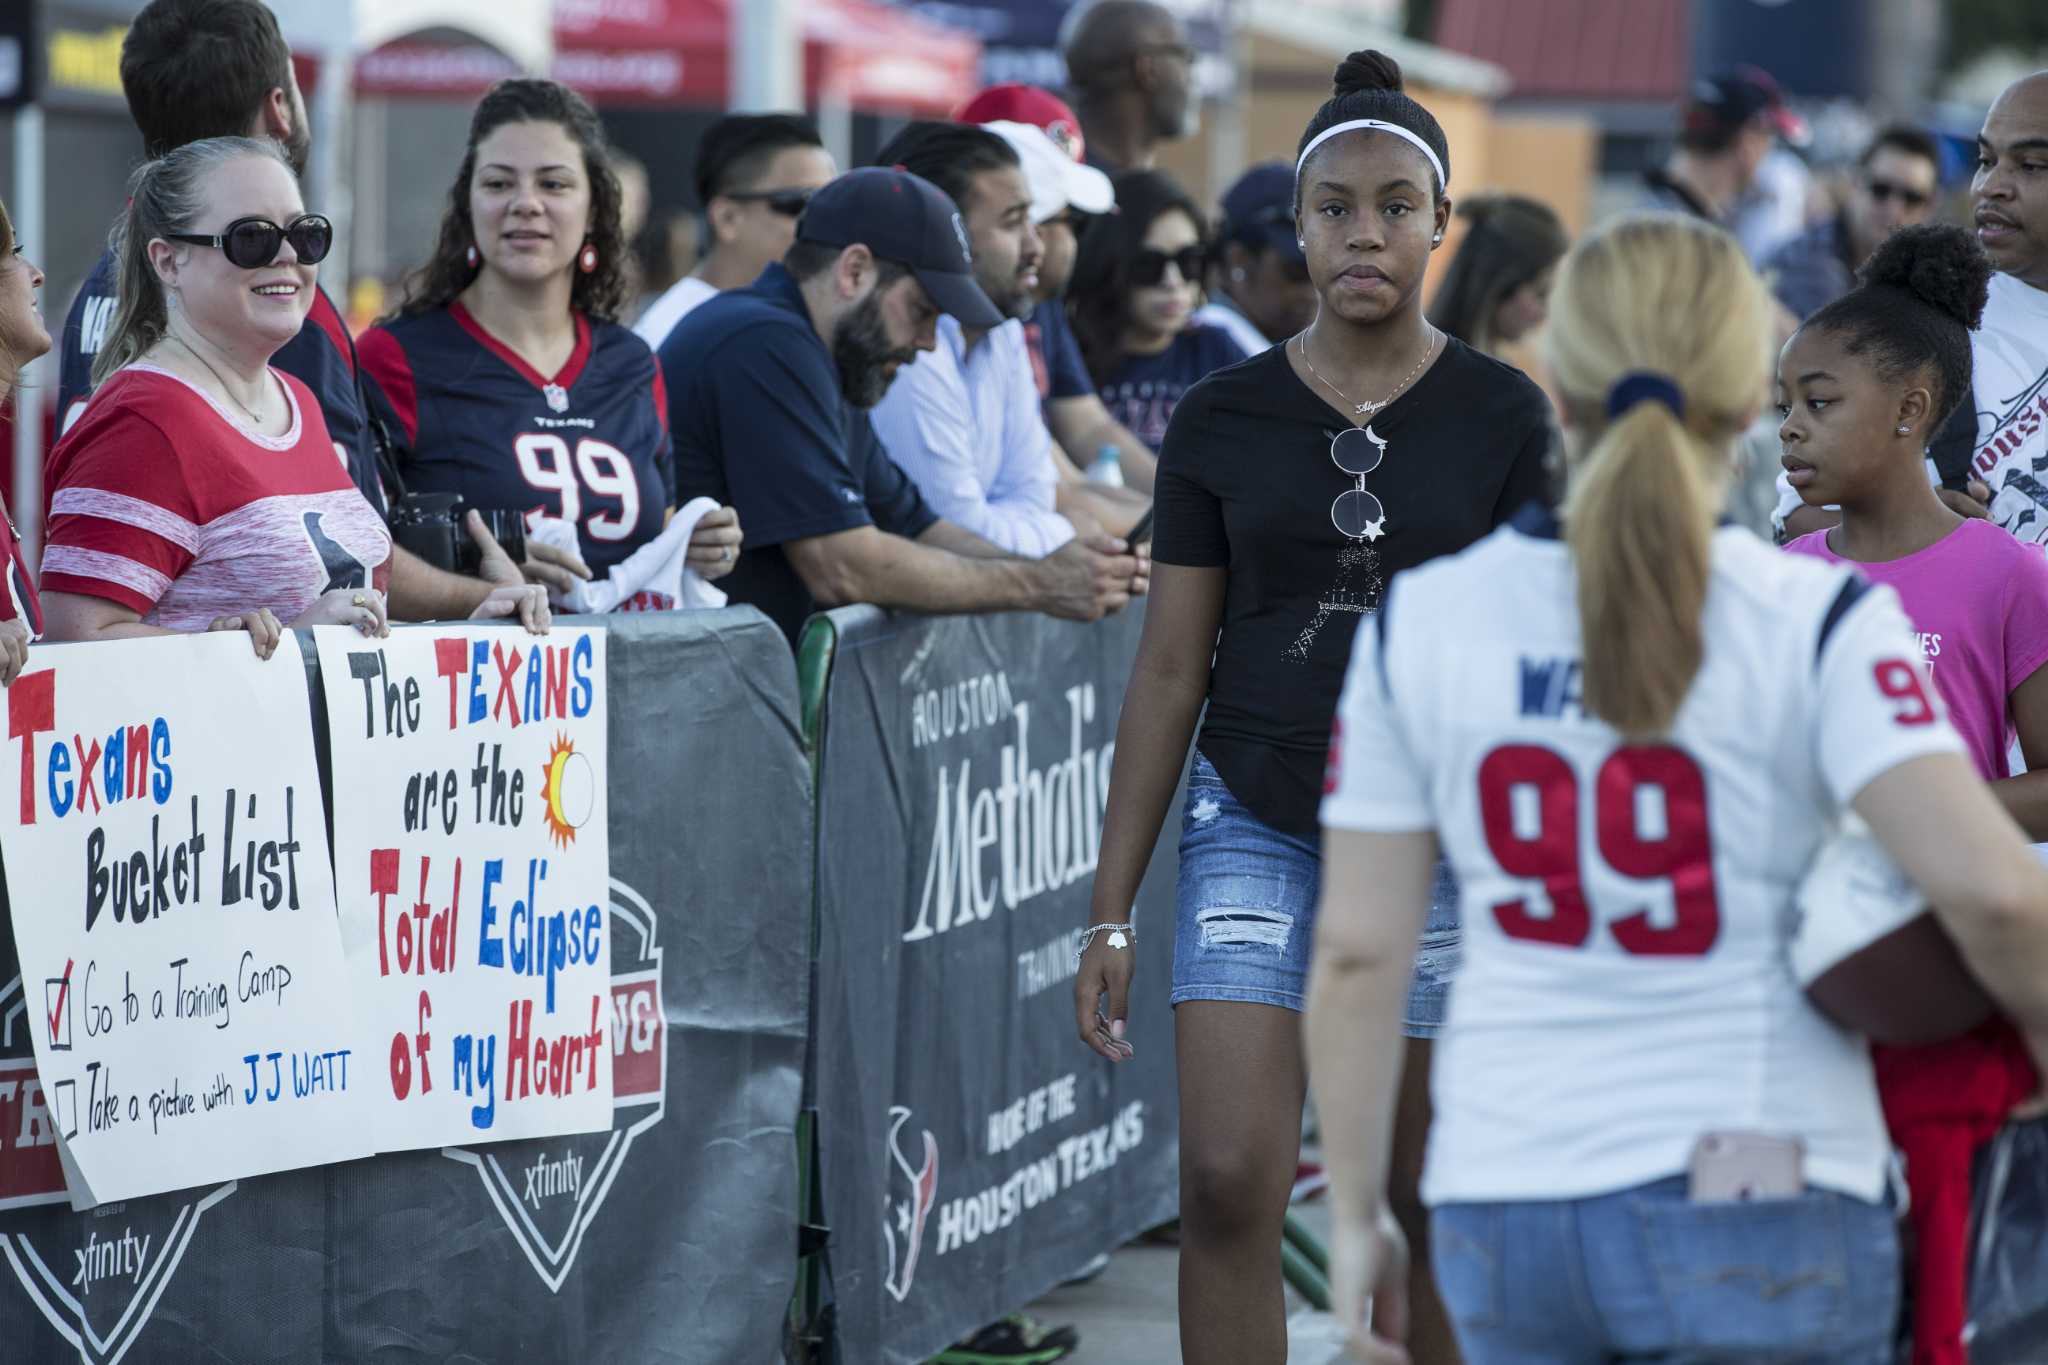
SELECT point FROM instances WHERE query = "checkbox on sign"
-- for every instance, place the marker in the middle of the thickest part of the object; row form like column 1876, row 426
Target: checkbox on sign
column 57, row 1009
column 64, row 1108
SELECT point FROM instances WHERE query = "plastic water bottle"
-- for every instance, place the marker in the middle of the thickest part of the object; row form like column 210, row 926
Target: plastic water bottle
column 1108, row 467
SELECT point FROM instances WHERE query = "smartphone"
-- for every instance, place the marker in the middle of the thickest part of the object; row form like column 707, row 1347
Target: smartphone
column 1732, row 1167
column 1142, row 532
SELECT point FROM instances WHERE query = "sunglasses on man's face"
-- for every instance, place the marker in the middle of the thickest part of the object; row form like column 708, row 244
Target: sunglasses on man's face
column 1882, row 190
column 1149, row 266
column 252, row 243
column 788, row 203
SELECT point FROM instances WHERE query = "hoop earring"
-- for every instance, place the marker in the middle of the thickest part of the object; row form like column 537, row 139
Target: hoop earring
column 471, row 258
column 587, row 261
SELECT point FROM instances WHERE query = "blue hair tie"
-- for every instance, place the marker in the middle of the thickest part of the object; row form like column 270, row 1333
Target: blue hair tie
column 1644, row 386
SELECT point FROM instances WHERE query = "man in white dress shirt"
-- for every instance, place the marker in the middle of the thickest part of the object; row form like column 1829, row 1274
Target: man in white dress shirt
column 964, row 421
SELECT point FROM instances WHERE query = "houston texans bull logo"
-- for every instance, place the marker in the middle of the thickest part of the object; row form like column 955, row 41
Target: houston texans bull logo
column 905, row 1218
column 96, row 1280
column 549, row 1190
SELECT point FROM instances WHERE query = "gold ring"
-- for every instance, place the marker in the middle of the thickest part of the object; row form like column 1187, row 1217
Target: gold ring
column 361, row 601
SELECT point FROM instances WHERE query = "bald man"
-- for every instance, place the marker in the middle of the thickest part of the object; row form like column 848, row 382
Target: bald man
column 1131, row 71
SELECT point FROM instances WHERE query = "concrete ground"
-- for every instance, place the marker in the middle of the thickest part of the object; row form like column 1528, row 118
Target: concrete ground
column 1127, row 1316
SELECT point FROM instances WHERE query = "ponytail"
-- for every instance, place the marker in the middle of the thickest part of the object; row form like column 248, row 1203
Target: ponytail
column 1659, row 341
column 1639, row 519
column 164, row 196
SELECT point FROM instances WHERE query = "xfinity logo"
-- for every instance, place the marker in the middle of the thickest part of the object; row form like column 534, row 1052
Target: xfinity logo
column 99, row 1259
column 545, row 1178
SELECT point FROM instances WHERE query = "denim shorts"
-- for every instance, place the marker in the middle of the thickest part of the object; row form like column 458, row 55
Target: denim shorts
column 1245, row 914
column 1647, row 1274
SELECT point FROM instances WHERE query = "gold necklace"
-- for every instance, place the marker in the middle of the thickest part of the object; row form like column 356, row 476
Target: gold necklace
column 1368, row 409
column 257, row 421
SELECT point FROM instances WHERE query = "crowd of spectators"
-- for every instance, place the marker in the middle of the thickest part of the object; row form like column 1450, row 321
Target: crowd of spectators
column 940, row 383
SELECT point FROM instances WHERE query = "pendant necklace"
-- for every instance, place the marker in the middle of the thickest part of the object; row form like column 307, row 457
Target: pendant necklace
column 1368, row 409
column 253, row 418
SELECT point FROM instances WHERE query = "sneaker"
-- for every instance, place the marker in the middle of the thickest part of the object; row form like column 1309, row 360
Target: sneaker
column 1012, row 1340
column 1310, row 1180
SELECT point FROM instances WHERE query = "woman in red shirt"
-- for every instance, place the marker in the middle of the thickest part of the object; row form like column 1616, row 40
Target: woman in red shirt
column 200, row 490
column 22, row 338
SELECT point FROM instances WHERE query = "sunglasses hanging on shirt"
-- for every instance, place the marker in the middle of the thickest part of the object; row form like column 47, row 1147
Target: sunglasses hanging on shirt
column 1148, row 267
column 252, row 243
column 1357, row 513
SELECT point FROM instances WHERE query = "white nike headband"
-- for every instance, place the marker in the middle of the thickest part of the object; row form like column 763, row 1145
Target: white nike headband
column 1374, row 125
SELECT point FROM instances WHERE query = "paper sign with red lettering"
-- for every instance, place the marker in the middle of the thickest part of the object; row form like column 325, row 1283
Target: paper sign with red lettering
column 473, row 870
column 167, row 875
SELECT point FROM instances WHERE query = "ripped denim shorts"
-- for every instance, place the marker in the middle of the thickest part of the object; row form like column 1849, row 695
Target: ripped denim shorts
column 1245, row 915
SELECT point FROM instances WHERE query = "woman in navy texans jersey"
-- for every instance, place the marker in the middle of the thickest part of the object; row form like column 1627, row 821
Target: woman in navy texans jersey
column 506, row 377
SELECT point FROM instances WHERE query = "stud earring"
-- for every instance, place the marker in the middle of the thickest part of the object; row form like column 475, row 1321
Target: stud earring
column 587, row 262
column 470, row 258
column 1301, row 242
column 1905, row 431
column 1237, row 274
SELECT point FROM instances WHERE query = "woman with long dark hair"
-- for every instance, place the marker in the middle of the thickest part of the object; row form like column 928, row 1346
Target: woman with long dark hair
column 1293, row 488
column 506, row 377
column 1137, row 282
column 1496, row 291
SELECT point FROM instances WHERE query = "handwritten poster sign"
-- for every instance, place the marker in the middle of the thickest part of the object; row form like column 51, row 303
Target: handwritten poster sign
column 167, row 873
column 473, row 872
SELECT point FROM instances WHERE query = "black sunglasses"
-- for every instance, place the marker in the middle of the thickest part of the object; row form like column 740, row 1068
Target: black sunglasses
column 788, row 203
column 1881, row 190
column 1357, row 513
column 1148, row 267
column 252, row 243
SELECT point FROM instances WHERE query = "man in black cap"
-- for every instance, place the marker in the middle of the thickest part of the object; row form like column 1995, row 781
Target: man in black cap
column 769, row 388
column 1729, row 127
column 1261, row 293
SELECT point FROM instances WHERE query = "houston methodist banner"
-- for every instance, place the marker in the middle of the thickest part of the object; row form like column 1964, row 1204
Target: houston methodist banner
column 181, row 970
column 974, row 1152
column 472, row 867
column 667, row 1236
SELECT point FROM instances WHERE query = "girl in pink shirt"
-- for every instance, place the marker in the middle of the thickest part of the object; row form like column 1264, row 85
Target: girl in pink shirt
column 1862, row 387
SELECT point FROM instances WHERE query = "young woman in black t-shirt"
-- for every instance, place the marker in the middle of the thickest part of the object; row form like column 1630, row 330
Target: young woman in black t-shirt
column 1292, row 488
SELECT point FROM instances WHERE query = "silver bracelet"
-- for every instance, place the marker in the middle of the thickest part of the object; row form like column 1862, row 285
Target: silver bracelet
column 1120, row 937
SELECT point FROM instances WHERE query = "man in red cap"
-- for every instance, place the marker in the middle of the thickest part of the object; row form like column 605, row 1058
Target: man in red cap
column 1080, row 423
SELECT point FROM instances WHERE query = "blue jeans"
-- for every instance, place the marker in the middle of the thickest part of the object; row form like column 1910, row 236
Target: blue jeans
column 1245, row 915
column 1647, row 1275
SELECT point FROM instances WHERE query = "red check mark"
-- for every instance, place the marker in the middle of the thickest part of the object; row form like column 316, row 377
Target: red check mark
column 62, row 991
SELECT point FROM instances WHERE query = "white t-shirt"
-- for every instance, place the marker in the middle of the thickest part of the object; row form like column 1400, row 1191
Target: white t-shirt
column 671, row 308
column 1628, row 910
column 2009, row 355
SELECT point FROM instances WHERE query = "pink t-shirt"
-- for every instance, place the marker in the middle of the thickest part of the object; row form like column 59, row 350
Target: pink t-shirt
column 1979, row 599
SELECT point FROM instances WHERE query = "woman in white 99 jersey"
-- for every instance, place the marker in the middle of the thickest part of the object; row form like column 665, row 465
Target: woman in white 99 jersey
column 1629, row 739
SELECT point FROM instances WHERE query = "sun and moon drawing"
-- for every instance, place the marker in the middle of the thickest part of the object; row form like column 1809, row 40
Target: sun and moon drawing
column 569, row 791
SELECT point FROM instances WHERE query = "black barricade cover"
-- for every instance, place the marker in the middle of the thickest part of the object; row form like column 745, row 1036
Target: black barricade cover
column 669, row 1239
column 974, row 1153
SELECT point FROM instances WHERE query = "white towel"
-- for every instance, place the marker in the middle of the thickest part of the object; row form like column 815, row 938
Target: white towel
column 656, row 568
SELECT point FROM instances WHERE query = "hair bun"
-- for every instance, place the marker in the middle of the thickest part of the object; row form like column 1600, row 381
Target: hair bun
column 1941, row 266
column 1367, row 70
